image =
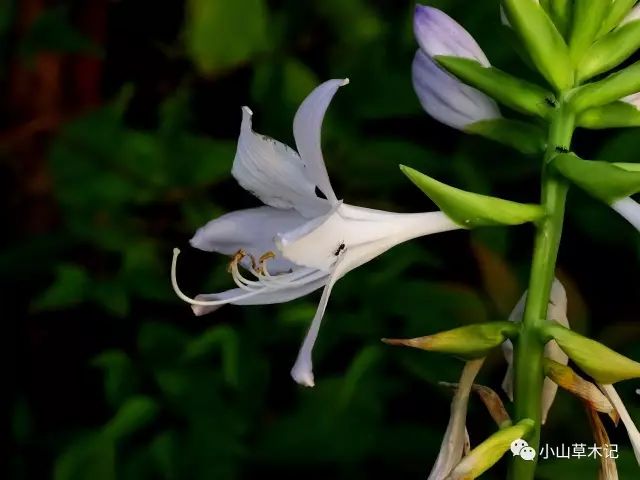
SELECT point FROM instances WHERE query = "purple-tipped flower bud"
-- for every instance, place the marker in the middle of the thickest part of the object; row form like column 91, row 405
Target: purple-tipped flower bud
column 439, row 34
column 446, row 98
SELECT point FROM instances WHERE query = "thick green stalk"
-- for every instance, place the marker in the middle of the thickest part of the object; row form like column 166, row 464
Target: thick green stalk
column 529, row 348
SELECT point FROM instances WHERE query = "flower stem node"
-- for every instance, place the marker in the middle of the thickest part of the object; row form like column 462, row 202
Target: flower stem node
column 471, row 210
column 597, row 360
column 468, row 342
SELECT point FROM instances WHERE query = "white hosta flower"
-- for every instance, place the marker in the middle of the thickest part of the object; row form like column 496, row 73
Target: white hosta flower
column 442, row 95
column 303, row 238
column 456, row 436
column 632, row 430
column 629, row 209
column 557, row 311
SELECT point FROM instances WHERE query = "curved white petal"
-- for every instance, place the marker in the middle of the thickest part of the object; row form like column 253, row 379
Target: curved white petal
column 557, row 311
column 629, row 209
column 266, row 297
column 274, row 172
column 439, row 34
column 320, row 242
column 446, row 98
column 307, row 126
column 252, row 230
column 302, row 371
column 454, row 438
column 632, row 430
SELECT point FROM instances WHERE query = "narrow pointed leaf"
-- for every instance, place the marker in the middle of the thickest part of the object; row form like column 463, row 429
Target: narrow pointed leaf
column 586, row 23
column 543, row 41
column 471, row 341
column 610, row 51
column 597, row 360
column 524, row 137
column 604, row 180
column 520, row 95
column 612, row 115
column 485, row 455
column 469, row 209
column 617, row 12
column 609, row 89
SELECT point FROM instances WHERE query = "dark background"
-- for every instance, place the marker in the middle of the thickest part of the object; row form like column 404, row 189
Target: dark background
column 118, row 129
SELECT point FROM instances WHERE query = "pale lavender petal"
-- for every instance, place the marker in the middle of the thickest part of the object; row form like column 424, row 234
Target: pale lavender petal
column 632, row 16
column 633, row 99
column 632, row 430
column 629, row 209
column 274, row 173
column 439, row 34
column 446, row 98
column 252, row 230
column 307, row 126
column 266, row 297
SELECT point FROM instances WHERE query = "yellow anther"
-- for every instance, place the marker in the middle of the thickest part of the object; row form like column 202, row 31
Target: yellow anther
column 236, row 258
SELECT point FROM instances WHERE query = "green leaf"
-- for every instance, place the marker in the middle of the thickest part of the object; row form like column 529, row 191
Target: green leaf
column 91, row 457
column 468, row 342
column 617, row 11
column 542, row 40
column 120, row 380
column 133, row 415
column 612, row 115
column 595, row 359
column 610, row 51
column 520, row 95
column 485, row 455
column 608, row 90
column 560, row 12
column 70, row 287
column 469, row 209
column 222, row 34
column 524, row 137
column 603, row 180
column 587, row 21
column 220, row 338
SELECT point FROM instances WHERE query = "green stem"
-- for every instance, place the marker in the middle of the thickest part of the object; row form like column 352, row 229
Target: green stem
column 529, row 348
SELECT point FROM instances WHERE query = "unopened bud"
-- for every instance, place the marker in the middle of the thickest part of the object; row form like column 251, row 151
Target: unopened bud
column 594, row 358
column 472, row 341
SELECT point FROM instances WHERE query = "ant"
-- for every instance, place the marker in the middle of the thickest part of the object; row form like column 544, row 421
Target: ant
column 550, row 101
column 340, row 249
column 561, row 149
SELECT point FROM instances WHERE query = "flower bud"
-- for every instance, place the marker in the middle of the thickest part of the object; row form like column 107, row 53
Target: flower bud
column 611, row 88
column 485, row 455
column 594, row 358
column 469, row 209
column 543, row 41
column 446, row 98
column 471, row 341
column 619, row 114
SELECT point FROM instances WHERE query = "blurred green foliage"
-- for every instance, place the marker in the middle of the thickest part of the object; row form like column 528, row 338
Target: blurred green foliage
column 210, row 398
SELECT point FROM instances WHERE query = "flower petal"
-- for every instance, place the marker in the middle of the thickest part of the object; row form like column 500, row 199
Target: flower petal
column 439, row 34
column 266, row 297
column 320, row 242
column 307, row 126
column 252, row 230
column 302, row 371
column 454, row 438
column 629, row 209
column 274, row 172
column 632, row 430
column 446, row 98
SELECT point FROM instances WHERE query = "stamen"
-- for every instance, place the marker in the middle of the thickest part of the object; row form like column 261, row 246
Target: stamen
column 182, row 296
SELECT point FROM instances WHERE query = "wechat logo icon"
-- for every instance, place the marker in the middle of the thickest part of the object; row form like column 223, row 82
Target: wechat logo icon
column 522, row 449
